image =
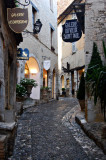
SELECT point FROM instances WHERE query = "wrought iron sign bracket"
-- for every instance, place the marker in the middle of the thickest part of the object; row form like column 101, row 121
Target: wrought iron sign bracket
column 27, row 2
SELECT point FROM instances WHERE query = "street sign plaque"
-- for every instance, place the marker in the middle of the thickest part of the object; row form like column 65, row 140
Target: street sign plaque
column 22, row 54
column 71, row 31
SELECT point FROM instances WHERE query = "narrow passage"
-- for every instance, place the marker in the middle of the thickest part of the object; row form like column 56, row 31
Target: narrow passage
column 42, row 136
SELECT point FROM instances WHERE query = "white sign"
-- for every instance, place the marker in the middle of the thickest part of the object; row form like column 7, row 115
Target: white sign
column 46, row 64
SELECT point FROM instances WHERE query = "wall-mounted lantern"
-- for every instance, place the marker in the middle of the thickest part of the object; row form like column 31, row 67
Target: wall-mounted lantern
column 37, row 27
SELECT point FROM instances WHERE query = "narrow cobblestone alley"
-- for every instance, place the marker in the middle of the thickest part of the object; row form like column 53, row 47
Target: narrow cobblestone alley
column 41, row 134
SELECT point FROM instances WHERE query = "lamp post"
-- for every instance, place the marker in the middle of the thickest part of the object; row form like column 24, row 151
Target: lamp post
column 37, row 27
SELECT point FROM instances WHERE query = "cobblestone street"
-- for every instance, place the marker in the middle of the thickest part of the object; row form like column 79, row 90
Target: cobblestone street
column 45, row 133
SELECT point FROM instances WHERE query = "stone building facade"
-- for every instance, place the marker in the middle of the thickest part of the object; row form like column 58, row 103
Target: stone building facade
column 8, row 51
column 42, row 47
column 70, row 53
column 8, row 70
column 95, row 31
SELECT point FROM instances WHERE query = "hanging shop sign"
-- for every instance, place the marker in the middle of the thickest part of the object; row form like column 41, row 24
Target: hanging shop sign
column 22, row 54
column 71, row 31
column 17, row 19
column 46, row 64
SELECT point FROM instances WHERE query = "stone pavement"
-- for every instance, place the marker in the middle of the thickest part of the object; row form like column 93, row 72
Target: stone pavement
column 94, row 130
column 49, row 132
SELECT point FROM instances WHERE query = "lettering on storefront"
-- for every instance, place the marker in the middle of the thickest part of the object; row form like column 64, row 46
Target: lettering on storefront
column 71, row 31
column 17, row 19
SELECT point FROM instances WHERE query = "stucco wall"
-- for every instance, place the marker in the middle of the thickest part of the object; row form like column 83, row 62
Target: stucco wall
column 40, row 45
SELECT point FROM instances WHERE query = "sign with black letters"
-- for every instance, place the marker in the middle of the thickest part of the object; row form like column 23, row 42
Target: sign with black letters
column 71, row 31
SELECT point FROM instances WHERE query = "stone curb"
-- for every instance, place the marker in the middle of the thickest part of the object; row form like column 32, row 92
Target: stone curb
column 87, row 128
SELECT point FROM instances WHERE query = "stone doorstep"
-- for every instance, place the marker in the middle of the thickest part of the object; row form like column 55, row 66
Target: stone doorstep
column 2, row 138
column 7, row 126
column 80, row 119
column 3, row 141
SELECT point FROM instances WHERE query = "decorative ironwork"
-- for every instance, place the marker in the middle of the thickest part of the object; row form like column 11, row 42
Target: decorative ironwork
column 67, row 70
column 27, row 2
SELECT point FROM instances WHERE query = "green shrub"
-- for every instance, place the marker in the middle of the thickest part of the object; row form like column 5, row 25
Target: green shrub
column 20, row 91
column 81, row 90
column 96, row 77
column 63, row 89
column 27, row 81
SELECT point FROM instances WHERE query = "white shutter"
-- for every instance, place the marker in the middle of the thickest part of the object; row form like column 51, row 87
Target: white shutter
column 73, row 47
column 74, row 16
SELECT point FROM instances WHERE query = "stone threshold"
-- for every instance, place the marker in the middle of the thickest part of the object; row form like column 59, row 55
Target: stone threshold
column 93, row 130
column 7, row 126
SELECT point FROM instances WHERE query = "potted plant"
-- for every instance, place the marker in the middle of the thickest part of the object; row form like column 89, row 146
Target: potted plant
column 63, row 91
column 28, row 84
column 96, row 78
column 45, row 92
column 81, row 92
column 20, row 92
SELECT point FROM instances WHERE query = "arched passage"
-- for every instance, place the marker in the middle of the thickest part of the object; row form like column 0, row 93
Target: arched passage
column 32, row 71
column 62, row 81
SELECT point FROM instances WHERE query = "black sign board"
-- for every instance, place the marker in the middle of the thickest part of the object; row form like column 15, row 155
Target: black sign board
column 71, row 31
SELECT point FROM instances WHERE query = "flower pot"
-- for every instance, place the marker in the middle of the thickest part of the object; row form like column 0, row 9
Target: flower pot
column 82, row 104
column 29, row 89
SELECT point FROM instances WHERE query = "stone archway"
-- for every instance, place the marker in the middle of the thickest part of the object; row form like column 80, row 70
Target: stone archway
column 32, row 71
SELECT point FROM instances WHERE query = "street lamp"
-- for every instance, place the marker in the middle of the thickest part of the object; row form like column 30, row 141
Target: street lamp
column 37, row 27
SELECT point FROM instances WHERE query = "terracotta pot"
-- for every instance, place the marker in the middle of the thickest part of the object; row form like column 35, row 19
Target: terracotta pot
column 82, row 104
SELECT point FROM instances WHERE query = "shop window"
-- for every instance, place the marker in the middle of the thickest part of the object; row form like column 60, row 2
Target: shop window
column 45, row 78
column 26, row 71
column 67, row 80
column 52, row 33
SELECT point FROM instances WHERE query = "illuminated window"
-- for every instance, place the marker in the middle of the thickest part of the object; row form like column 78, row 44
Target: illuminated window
column 26, row 71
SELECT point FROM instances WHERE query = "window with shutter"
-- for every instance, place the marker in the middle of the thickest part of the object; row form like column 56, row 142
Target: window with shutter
column 33, row 16
column 51, row 5
column 73, row 47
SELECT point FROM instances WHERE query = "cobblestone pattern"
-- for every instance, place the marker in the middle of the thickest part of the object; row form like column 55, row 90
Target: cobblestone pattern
column 92, row 150
column 42, row 134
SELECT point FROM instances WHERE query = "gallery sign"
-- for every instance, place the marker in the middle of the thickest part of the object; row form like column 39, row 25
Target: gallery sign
column 46, row 64
column 71, row 31
column 22, row 54
column 17, row 19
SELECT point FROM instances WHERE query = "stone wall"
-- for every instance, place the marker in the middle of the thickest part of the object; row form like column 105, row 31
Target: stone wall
column 8, row 53
column 65, row 54
column 95, row 31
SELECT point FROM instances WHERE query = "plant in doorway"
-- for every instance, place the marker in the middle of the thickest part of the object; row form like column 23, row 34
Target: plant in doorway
column 63, row 92
column 45, row 93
